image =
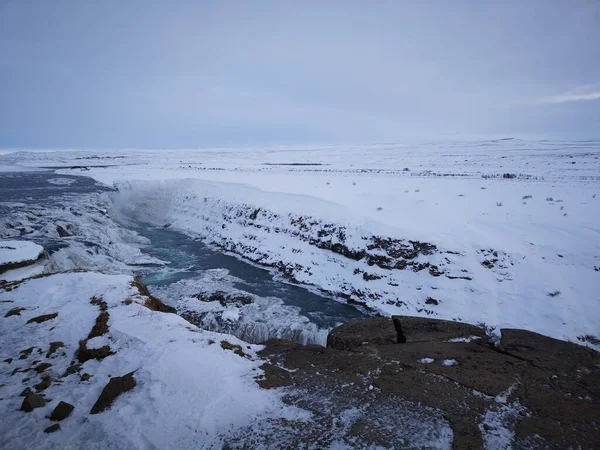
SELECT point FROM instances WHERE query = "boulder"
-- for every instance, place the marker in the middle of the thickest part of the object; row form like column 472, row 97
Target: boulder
column 115, row 387
column 32, row 401
column 62, row 411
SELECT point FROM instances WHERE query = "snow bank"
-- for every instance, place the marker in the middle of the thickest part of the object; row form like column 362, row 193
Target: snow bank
column 190, row 393
column 14, row 252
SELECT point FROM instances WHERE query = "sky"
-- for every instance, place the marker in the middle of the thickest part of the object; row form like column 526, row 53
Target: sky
column 186, row 74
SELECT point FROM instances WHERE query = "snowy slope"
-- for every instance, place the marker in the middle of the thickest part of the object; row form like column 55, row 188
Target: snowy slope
column 190, row 391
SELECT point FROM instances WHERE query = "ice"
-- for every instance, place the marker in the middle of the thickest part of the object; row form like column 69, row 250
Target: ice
column 263, row 319
column 62, row 181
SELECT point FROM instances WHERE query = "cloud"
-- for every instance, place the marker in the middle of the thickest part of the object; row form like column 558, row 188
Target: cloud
column 587, row 93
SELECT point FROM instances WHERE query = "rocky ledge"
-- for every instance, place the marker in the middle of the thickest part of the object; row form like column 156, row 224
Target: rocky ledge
column 448, row 381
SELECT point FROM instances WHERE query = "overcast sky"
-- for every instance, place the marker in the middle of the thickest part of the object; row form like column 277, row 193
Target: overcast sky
column 108, row 74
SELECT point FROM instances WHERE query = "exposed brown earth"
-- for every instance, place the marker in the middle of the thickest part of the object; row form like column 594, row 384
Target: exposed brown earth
column 538, row 391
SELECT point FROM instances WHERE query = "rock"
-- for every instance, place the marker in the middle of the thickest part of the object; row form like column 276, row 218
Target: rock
column 14, row 312
column 53, row 347
column 43, row 318
column 52, row 428
column 380, row 331
column 115, row 387
column 84, row 354
column 25, row 353
column 274, row 377
column 26, row 392
column 62, row 411
column 237, row 349
column 431, row 301
column 152, row 302
column 8, row 360
column 32, row 401
column 73, row 368
column 85, row 377
column 44, row 384
column 62, row 232
column 42, row 367
column 398, row 327
column 100, row 328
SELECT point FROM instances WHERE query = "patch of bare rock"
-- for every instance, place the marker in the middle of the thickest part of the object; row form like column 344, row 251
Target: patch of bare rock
column 539, row 391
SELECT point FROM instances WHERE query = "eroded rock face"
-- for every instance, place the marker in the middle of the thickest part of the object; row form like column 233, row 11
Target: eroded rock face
column 542, row 391
column 115, row 387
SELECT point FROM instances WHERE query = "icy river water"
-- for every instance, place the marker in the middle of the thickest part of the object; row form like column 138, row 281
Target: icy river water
column 279, row 309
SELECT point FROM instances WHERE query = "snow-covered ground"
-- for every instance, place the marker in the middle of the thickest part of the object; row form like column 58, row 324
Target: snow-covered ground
column 503, row 232
column 193, row 388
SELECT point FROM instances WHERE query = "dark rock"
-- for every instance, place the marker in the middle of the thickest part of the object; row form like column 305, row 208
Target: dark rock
column 8, row 360
column 44, row 384
column 26, row 392
column 62, row 232
column 99, row 303
column 401, row 339
column 274, row 377
column 52, row 428
column 62, row 411
column 100, row 328
column 42, row 367
column 25, row 353
column 380, row 331
column 237, row 349
column 43, row 318
column 115, row 387
column 85, row 377
column 53, row 347
column 84, row 354
column 32, row 401
column 73, row 368
column 431, row 301
column 555, row 382
column 152, row 302
column 14, row 312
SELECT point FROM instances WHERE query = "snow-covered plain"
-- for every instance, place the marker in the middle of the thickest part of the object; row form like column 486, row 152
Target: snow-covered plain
column 504, row 232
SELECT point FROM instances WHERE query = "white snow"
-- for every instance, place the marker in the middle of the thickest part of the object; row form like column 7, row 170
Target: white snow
column 13, row 251
column 464, row 339
column 445, row 194
column 426, row 360
column 190, row 392
column 231, row 314
column 449, row 362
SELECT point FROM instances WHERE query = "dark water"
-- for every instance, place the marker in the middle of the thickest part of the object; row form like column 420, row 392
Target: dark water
column 33, row 187
column 191, row 257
